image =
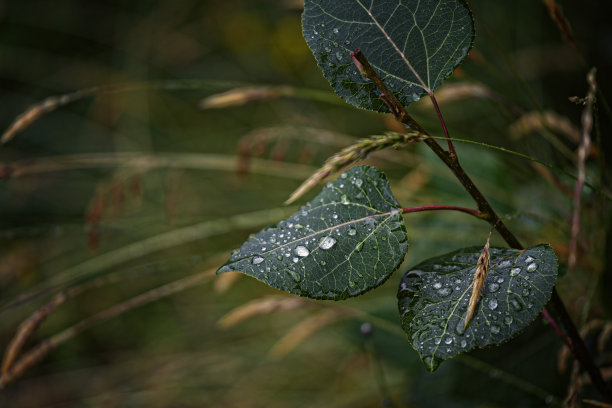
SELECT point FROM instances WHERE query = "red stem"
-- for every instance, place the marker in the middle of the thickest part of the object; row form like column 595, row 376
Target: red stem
column 451, row 148
column 470, row 211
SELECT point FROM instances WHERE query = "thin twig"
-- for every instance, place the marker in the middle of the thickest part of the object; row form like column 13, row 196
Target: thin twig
column 583, row 150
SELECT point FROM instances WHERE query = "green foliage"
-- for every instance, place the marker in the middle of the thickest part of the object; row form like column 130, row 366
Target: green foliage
column 345, row 241
column 413, row 45
column 434, row 295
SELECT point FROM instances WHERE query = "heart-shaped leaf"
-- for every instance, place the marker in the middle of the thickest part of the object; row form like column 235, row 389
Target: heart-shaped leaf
column 433, row 299
column 412, row 44
column 346, row 241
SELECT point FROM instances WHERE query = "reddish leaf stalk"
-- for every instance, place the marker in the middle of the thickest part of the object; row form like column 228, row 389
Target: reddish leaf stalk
column 470, row 211
column 451, row 148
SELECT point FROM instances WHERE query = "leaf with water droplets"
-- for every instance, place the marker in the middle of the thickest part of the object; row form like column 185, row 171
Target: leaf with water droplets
column 413, row 45
column 345, row 241
column 433, row 299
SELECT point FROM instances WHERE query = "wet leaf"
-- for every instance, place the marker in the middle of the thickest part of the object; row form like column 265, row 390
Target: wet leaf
column 412, row 44
column 347, row 240
column 434, row 295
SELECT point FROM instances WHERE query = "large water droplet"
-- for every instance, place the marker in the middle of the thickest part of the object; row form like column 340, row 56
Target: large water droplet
column 257, row 260
column 463, row 343
column 344, row 199
column 339, row 55
column 493, row 287
column 358, row 182
column 327, row 243
column 516, row 304
column 493, row 304
column 335, row 30
column 359, row 246
column 294, row 275
column 295, row 260
column 532, row 267
column 448, row 340
column 528, row 259
column 352, row 232
column 508, row 320
column 437, row 285
column 302, row 251
column 515, row 271
column 438, row 340
column 495, row 329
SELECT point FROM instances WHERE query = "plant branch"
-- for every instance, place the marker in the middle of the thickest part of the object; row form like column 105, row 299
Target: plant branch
column 470, row 211
column 487, row 213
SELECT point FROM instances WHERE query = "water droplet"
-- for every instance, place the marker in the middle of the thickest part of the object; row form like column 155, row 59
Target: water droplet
column 295, row 260
column 302, row 251
column 339, row 56
column 515, row 271
column 493, row 304
column 358, row 182
column 459, row 329
column 352, row 232
column 532, row 267
column 335, row 216
column 493, row 287
column 516, row 304
column 359, row 246
column 500, row 280
column 495, row 329
column 463, row 343
column 445, row 292
column 327, row 243
column 347, row 42
column 448, row 340
column 343, row 175
column 344, row 200
column 526, row 292
column 508, row 320
column 323, row 263
column 294, row 275
column 257, row 260
column 335, row 30
column 438, row 340
column 528, row 260
column 437, row 285
column 327, row 49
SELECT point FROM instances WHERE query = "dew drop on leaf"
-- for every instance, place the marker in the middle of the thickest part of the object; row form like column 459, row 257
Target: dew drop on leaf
column 493, row 304
column 437, row 285
column 532, row 267
column 445, row 292
column 302, row 251
column 358, row 182
column 327, row 243
column 495, row 329
column 493, row 287
column 294, row 275
column 257, row 260
column 448, row 340
column 508, row 320
column 515, row 271
column 352, row 232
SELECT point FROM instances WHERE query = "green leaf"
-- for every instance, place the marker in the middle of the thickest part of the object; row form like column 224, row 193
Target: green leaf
column 412, row 44
column 347, row 240
column 434, row 295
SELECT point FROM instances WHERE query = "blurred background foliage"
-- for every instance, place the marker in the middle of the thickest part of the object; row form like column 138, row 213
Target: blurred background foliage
column 125, row 192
